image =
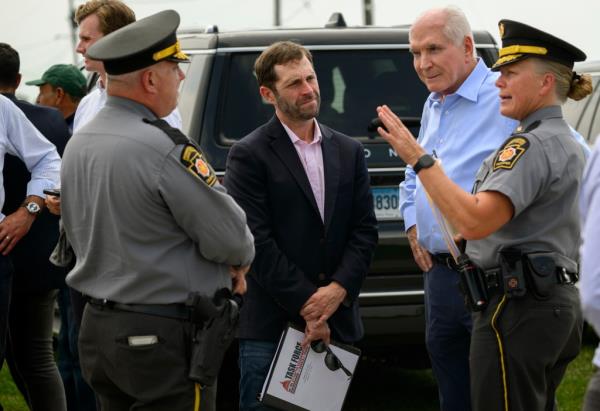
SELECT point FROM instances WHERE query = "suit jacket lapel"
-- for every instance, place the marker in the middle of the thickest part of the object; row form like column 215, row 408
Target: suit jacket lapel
column 331, row 165
column 284, row 149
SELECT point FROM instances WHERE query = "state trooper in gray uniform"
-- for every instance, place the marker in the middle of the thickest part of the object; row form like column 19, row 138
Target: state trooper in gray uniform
column 149, row 223
column 521, row 223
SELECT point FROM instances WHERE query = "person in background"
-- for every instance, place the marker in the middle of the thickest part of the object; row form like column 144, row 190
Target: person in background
column 36, row 281
column 589, row 287
column 62, row 86
column 96, row 19
column 305, row 189
column 521, row 223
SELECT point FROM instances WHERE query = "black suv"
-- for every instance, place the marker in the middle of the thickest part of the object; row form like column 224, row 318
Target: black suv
column 358, row 68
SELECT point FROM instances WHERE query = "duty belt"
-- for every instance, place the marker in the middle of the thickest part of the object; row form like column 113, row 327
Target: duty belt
column 445, row 259
column 493, row 279
column 174, row 311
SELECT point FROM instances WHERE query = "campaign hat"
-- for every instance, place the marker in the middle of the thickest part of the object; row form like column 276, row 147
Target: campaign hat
column 140, row 44
column 520, row 41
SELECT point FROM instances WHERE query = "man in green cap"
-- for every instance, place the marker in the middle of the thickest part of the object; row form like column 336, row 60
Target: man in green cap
column 62, row 86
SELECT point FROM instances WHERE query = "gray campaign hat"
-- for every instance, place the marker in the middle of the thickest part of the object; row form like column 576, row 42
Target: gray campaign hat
column 140, row 44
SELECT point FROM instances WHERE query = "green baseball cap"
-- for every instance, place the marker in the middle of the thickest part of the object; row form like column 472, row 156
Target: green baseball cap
column 66, row 76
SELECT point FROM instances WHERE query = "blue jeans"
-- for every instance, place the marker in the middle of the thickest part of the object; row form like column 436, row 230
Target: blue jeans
column 448, row 337
column 6, row 276
column 255, row 360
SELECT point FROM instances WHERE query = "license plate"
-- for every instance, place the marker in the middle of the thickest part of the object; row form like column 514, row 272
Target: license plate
column 386, row 201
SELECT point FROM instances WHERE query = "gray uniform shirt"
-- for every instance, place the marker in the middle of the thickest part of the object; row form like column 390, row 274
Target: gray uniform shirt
column 144, row 228
column 539, row 169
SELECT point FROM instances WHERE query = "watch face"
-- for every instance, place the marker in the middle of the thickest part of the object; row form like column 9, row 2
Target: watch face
column 33, row 208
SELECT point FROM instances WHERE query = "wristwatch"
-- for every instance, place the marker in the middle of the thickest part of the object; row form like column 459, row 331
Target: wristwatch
column 32, row 208
column 425, row 161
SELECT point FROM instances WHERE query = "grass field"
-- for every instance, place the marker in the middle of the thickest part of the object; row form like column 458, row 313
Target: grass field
column 411, row 390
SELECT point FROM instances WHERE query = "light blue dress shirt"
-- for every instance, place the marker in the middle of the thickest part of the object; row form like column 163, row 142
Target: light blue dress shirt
column 589, row 286
column 19, row 137
column 461, row 129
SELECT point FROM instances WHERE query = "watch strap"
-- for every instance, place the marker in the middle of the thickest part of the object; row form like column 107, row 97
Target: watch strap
column 425, row 161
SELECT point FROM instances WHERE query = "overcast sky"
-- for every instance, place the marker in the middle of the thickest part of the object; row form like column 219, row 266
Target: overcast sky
column 40, row 29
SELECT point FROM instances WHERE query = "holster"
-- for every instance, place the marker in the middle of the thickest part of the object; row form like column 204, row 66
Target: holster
column 472, row 284
column 513, row 274
column 215, row 323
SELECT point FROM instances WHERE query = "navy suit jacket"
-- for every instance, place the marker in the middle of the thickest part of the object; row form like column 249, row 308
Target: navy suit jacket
column 296, row 252
column 30, row 255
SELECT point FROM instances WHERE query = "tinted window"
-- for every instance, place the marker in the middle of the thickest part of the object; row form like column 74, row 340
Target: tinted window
column 352, row 84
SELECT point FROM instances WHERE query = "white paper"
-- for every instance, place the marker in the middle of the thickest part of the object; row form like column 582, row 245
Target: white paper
column 301, row 377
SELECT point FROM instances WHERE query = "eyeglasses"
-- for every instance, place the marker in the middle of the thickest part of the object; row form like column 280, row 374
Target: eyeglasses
column 331, row 360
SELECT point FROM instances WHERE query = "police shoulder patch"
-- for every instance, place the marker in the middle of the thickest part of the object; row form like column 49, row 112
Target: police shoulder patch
column 510, row 152
column 195, row 163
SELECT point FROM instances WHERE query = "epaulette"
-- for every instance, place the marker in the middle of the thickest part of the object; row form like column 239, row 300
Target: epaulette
column 191, row 156
column 529, row 128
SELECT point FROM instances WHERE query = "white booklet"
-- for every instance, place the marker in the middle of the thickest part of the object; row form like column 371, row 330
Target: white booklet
column 315, row 378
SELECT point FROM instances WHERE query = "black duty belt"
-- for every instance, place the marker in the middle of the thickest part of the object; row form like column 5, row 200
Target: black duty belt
column 445, row 259
column 174, row 311
column 493, row 278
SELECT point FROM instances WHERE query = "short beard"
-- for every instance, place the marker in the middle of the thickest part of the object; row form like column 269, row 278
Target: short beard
column 293, row 112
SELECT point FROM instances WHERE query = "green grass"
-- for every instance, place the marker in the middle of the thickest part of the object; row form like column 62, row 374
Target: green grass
column 572, row 388
column 10, row 397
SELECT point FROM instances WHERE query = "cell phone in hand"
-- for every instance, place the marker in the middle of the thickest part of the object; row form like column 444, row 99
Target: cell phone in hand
column 52, row 192
column 375, row 123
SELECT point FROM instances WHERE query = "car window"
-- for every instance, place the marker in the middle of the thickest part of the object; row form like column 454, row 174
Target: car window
column 582, row 114
column 595, row 118
column 352, row 84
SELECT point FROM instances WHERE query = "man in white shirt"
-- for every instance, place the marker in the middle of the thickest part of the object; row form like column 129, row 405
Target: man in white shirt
column 96, row 19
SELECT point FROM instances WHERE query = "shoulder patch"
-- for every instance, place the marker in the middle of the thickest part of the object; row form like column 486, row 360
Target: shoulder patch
column 195, row 163
column 509, row 154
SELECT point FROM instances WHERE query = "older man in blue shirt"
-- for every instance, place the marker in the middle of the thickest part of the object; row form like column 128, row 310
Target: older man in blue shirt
column 461, row 125
column 20, row 138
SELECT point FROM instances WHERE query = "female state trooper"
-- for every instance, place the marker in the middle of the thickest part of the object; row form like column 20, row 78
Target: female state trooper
column 521, row 222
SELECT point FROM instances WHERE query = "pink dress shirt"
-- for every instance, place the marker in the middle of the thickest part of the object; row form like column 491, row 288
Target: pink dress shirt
column 311, row 157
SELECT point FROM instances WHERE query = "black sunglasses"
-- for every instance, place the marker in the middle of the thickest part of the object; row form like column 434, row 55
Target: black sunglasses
column 331, row 360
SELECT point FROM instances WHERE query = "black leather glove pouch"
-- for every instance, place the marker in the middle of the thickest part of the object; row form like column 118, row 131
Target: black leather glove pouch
column 541, row 274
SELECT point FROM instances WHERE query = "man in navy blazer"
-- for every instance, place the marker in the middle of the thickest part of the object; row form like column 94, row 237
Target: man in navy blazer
column 305, row 189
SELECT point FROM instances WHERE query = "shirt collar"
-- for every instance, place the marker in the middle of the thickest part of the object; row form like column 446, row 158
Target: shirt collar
column 469, row 89
column 295, row 139
column 538, row 115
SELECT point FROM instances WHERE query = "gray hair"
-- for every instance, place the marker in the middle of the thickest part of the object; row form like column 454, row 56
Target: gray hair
column 456, row 26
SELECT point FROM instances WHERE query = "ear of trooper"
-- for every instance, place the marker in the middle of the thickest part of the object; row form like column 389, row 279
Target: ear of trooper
column 132, row 55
